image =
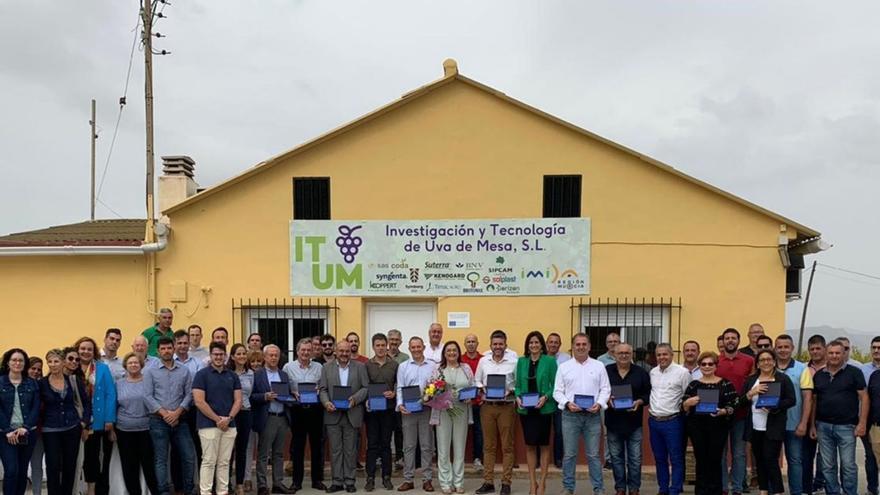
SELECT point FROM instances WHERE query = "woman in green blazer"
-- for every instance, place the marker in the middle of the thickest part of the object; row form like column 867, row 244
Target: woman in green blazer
column 536, row 374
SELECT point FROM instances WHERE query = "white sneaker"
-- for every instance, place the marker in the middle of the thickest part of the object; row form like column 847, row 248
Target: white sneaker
column 478, row 466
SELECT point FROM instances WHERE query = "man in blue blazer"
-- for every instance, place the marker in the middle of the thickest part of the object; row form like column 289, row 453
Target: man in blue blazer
column 270, row 421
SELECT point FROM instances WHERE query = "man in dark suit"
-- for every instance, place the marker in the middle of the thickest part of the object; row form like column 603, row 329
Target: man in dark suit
column 343, row 425
column 271, row 422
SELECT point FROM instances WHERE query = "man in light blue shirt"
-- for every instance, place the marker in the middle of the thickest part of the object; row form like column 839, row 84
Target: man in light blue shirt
column 611, row 341
column 182, row 352
column 416, row 425
column 796, row 424
column 168, row 396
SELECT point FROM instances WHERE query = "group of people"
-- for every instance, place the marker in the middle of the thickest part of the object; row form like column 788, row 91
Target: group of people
column 184, row 414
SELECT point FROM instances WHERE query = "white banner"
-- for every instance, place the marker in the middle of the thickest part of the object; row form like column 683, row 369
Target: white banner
column 508, row 257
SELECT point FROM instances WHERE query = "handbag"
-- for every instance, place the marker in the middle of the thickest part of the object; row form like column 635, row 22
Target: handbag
column 77, row 400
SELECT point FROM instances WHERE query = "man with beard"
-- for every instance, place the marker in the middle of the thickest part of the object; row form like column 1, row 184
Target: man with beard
column 735, row 367
column 328, row 349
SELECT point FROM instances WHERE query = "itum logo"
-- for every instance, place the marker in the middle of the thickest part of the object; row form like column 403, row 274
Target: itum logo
column 348, row 243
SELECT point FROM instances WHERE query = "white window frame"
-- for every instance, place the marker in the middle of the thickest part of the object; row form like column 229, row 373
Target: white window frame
column 290, row 314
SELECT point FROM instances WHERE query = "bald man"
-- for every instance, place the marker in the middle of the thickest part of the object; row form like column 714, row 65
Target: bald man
column 434, row 345
column 471, row 357
column 139, row 346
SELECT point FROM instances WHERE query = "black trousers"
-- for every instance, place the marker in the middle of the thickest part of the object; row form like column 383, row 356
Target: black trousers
column 308, row 423
column 708, row 436
column 766, row 454
column 380, row 426
column 135, row 455
column 62, row 448
column 398, row 436
column 176, row 478
column 243, row 423
column 95, row 468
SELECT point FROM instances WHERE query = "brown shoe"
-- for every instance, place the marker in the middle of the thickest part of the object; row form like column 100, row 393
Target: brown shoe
column 406, row 486
column 619, row 492
column 634, row 492
column 428, row 486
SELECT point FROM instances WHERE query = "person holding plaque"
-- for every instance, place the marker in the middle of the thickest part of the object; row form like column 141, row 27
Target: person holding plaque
column 496, row 375
column 451, row 423
column 535, row 380
column 382, row 373
column 669, row 381
column 343, row 390
column 771, row 395
column 307, row 415
column 412, row 377
column 582, row 390
column 708, row 403
column 630, row 392
column 270, row 421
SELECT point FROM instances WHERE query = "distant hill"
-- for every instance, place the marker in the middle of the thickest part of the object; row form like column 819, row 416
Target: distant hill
column 858, row 338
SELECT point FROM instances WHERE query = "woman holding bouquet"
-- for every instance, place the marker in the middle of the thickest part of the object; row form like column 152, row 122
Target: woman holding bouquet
column 450, row 416
column 536, row 374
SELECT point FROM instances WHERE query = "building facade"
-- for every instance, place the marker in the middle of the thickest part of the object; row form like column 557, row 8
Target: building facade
column 670, row 258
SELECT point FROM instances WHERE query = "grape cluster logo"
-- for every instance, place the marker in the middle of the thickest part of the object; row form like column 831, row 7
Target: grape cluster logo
column 348, row 243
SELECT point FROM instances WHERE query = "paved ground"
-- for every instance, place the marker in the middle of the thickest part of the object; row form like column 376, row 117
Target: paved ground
column 520, row 485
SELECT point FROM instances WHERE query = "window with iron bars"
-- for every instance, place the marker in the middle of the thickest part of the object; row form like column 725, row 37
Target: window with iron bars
column 285, row 322
column 642, row 323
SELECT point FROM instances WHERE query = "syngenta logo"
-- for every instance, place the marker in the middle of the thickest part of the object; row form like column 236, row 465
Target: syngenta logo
column 330, row 275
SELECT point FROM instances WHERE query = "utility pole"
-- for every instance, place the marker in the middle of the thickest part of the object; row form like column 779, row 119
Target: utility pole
column 804, row 314
column 147, row 14
column 94, row 137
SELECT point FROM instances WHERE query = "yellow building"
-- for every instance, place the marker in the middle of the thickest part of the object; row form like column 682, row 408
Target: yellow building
column 667, row 257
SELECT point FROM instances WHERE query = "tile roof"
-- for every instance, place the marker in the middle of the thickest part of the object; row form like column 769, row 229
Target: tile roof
column 124, row 232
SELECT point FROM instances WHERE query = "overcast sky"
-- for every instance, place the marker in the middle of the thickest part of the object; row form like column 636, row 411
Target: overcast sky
column 777, row 102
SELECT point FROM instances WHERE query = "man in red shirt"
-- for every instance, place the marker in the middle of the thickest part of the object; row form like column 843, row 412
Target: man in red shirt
column 735, row 367
column 471, row 357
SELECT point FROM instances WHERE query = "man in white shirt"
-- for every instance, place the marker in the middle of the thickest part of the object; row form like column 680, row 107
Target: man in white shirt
column 666, row 424
column 497, row 417
column 554, row 343
column 196, row 350
column 582, row 376
column 434, row 348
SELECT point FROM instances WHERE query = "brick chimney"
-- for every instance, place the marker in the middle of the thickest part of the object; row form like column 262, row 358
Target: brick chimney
column 176, row 183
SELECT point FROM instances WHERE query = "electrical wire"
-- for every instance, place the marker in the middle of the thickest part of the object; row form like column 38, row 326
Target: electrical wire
column 108, row 207
column 875, row 277
column 849, row 279
column 121, row 107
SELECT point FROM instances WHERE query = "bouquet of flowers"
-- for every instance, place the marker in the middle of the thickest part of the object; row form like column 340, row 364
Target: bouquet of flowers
column 437, row 396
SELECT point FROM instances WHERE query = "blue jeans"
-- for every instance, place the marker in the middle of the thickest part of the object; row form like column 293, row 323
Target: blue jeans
column 162, row 435
column 626, row 459
column 16, row 459
column 793, row 445
column 588, row 426
column 834, row 441
column 870, row 464
column 813, row 479
column 667, row 444
column 477, row 432
column 737, row 473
